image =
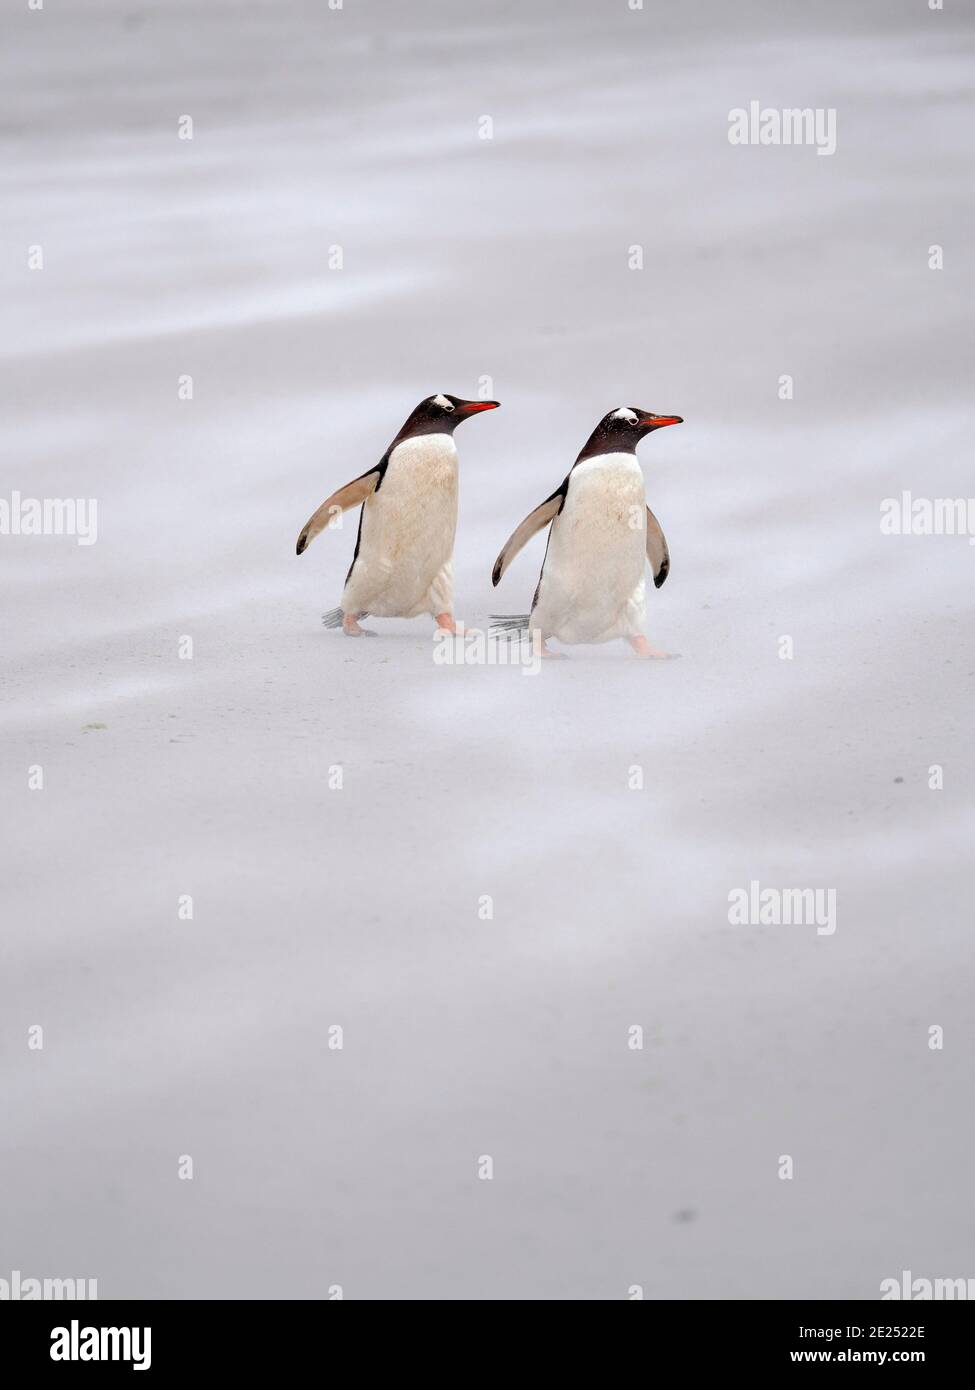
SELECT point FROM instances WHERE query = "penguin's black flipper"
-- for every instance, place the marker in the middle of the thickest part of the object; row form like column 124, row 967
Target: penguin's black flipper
column 349, row 496
column 657, row 552
column 532, row 523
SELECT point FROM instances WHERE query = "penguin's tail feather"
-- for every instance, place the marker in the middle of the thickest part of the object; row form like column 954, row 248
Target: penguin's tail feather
column 334, row 616
column 509, row 624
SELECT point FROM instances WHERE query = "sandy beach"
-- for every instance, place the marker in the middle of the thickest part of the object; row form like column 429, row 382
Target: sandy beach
column 498, row 267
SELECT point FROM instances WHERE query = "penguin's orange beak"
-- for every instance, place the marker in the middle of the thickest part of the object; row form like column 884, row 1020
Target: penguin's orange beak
column 472, row 407
column 656, row 422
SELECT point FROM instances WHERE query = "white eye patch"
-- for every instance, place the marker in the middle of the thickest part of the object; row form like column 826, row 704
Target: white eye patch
column 624, row 414
column 443, row 402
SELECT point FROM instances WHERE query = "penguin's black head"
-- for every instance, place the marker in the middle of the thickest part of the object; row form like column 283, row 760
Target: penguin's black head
column 621, row 430
column 442, row 414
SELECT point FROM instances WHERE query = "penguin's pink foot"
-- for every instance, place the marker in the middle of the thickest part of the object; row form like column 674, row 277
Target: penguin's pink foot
column 446, row 622
column 645, row 649
column 546, row 653
column 351, row 628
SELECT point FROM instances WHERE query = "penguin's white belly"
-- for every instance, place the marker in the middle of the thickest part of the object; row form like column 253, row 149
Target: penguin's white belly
column 404, row 565
column 593, row 581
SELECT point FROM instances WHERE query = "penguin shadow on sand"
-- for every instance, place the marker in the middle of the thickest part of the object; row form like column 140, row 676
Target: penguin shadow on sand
column 591, row 588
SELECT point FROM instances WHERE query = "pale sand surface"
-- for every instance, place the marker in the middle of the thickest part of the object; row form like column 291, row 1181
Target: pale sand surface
column 358, row 907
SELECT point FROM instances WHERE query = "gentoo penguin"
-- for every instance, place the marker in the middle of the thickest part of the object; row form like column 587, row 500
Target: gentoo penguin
column 403, row 562
column 591, row 588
